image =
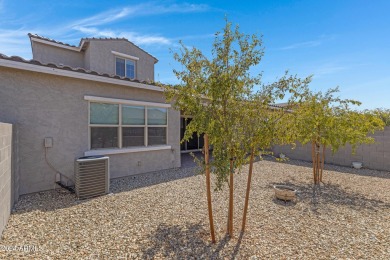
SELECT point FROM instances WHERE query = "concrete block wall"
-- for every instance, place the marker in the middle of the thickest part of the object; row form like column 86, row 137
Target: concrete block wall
column 373, row 156
column 6, row 189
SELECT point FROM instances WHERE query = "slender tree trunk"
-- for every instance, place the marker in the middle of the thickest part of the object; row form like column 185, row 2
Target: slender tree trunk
column 231, row 185
column 313, row 156
column 318, row 161
column 208, row 186
column 248, row 189
column 323, row 162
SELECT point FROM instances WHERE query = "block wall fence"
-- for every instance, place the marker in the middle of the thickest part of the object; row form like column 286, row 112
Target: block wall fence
column 373, row 156
column 8, row 181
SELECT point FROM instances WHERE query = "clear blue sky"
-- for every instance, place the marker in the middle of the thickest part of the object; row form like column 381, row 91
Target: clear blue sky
column 343, row 43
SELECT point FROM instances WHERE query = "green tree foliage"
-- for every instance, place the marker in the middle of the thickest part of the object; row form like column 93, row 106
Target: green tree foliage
column 265, row 123
column 325, row 120
column 382, row 113
column 218, row 94
column 213, row 91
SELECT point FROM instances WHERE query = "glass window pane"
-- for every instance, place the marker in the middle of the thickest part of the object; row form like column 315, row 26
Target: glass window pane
column 105, row 114
column 193, row 143
column 157, row 135
column 130, row 69
column 120, row 67
column 157, row 116
column 104, row 137
column 132, row 115
column 201, row 141
column 133, row 136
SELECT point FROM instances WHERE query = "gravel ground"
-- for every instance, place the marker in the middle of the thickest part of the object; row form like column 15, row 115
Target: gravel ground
column 164, row 215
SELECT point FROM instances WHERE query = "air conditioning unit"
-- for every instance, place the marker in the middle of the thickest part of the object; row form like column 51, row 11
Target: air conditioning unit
column 92, row 176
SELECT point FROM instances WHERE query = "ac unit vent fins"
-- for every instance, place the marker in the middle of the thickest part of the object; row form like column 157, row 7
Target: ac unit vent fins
column 92, row 176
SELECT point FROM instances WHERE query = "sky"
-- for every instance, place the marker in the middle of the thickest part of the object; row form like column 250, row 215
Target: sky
column 341, row 43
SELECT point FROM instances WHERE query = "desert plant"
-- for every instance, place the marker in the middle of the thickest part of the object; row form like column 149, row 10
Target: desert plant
column 265, row 123
column 383, row 114
column 325, row 120
column 212, row 91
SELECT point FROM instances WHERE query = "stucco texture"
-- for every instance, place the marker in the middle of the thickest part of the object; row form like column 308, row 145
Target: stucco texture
column 50, row 54
column 97, row 57
column 42, row 105
column 101, row 58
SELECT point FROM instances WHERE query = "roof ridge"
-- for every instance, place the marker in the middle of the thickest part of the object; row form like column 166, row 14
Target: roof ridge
column 78, row 69
column 51, row 40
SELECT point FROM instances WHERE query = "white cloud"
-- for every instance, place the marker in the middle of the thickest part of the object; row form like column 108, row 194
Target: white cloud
column 91, row 25
column 103, row 18
column 327, row 69
column 145, row 39
column 134, row 37
column 308, row 44
column 138, row 10
column 302, row 45
column 15, row 42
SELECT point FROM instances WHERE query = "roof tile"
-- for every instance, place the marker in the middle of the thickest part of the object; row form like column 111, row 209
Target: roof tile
column 78, row 70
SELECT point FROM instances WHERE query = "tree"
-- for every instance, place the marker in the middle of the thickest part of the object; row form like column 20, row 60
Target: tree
column 382, row 113
column 212, row 91
column 325, row 120
column 265, row 123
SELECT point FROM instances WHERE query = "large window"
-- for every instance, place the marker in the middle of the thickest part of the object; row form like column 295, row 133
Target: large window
column 125, row 67
column 124, row 126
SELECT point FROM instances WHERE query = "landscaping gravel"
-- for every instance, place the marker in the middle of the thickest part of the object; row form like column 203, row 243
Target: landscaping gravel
column 164, row 215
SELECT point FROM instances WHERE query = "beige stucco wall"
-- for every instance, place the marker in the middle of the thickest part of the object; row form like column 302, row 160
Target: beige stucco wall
column 6, row 199
column 101, row 59
column 50, row 54
column 97, row 57
column 43, row 105
column 374, row 156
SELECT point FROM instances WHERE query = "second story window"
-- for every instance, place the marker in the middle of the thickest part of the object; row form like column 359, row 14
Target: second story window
column 125, row 68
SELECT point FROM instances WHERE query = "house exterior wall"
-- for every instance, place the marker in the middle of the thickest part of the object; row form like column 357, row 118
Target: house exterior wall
column 97, row 57
column 50, row 54
column 374, row 156
column 101, row 59
column 43, row 105
column 6, row 198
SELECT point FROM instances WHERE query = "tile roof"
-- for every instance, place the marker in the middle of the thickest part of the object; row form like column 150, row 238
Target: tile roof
column 50, row 40
column 79, row 70
column 87, row 40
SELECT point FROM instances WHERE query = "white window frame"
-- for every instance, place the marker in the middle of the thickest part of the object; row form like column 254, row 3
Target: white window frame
column 120, row 149
column 131, row 59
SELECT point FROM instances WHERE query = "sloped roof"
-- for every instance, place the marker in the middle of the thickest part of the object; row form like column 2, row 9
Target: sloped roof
column 68, row 68
column 84, row 40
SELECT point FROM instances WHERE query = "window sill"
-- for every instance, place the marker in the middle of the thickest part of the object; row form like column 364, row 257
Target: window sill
column 126, row 150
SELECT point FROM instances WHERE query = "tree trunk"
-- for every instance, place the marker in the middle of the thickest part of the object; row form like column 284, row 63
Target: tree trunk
column 248, row 189
column 323, row 162
column 208, row 186
column 230, row 221
column 318, row 163
column 313, row 156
